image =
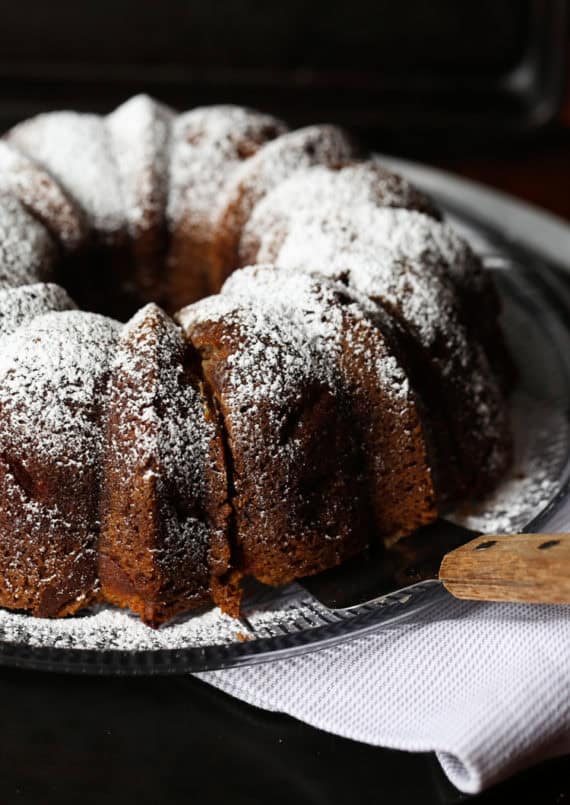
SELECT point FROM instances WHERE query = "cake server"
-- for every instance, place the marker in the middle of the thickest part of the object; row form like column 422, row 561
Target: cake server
column 524, row 567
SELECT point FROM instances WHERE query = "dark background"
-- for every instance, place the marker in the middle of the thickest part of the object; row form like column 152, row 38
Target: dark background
column 479, row 88
column 411, row 70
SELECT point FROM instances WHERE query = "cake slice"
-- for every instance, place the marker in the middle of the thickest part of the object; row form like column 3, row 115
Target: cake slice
column 327, row 451
column 163, row 542
column 53, row 376
column 362, row 353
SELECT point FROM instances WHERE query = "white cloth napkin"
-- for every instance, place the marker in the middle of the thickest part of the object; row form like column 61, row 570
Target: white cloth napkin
column 485, row 686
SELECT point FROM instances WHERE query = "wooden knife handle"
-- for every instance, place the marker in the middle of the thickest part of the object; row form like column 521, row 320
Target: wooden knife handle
column 533, row 568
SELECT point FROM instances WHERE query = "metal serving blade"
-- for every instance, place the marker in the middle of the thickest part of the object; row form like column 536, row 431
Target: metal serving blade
column 374, row 574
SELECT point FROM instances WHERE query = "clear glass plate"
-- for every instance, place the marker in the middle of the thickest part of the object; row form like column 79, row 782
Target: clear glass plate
column 281, row 623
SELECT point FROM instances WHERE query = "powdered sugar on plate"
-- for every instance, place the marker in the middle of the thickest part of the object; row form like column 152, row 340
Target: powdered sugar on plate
column 541, row 444
column 106, row 629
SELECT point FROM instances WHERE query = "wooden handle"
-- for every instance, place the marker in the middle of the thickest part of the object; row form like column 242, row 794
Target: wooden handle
column 533, row 568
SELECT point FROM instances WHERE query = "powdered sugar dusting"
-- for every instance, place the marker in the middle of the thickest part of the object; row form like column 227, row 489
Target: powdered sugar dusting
column 50, row 379
column 271, row 358
column 541, row 434
column 75, row 149
column 273, row 164
column 310, row 306
column 314, row 188
column 352, row 245
column 208, row 145
column 42, row 196
column 335, row 241
column 170, row 442
column 285, row 339
column 106, row 629
column 140, row 141
column 18, row 306
column 288, row 154
column 27, row 253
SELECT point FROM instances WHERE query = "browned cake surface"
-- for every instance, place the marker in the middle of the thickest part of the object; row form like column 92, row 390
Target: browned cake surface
column 139, row 138
column 402, row 261
column 43, row 197
column 298, row 482
column 164, row 510
column 285, row 156
column 53, row 375
column 360, row 358
column 208, row 147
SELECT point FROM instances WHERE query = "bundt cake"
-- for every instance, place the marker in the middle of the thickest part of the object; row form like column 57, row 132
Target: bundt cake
column 311, row 365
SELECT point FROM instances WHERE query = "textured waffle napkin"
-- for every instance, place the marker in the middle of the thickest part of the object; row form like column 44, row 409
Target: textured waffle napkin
column 485, row 686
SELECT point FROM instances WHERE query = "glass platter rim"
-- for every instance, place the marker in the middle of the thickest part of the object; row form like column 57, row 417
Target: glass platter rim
column 393, row 608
